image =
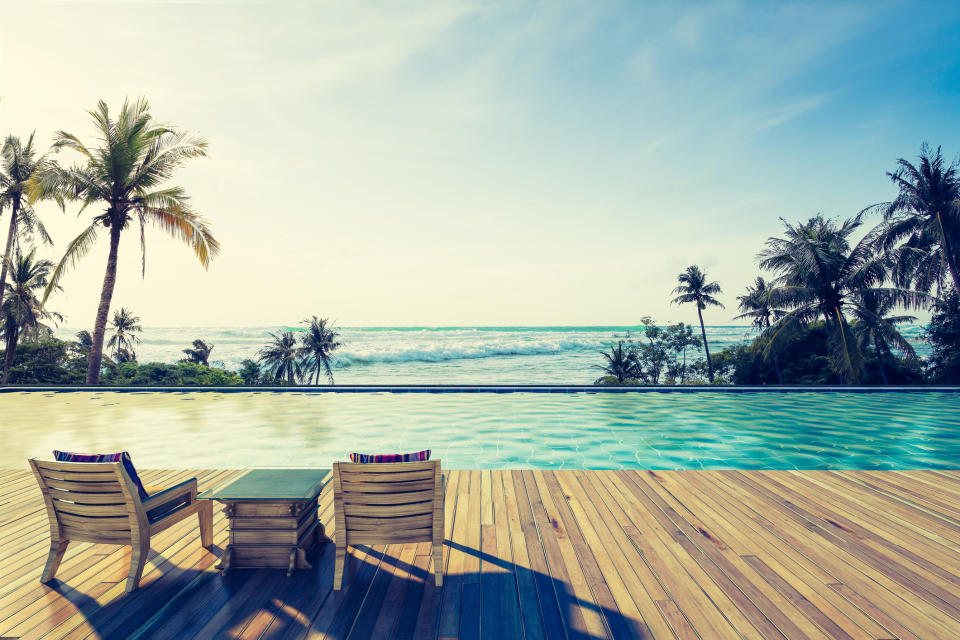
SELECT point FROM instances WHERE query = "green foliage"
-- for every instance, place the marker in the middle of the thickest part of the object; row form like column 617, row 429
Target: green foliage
column 125, row 327
column 943, row 334
column 620, row 367
column 921, row 230
column 199, row 354
column 658, row 356
column 122, row 182
column 49, row 361
column 162, row 374
column 281, row 358
column 662, row 352
column 800, row 355
column 317, row 345
column 614, row 381
column 820, row 275
column 250, row 372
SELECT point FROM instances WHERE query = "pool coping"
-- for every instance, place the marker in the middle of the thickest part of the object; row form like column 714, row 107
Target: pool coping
column 483, row 388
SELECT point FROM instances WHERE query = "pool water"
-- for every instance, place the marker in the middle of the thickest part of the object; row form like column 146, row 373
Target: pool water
column 704, row 430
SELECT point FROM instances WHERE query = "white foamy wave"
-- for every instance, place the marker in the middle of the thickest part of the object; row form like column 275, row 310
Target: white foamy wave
column 459, row 350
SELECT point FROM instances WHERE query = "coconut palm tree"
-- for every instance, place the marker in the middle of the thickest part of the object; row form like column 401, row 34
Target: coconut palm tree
column 18, row 165
column 819, row 275
column 922, row 224
column 317, row 345
column 125, row 327
column 281, row 357
column 620, row 363
column 755, row 304
column 22, row 308
column 199, row 354
column 695, row 288
column 876, row 328
column 124, row 176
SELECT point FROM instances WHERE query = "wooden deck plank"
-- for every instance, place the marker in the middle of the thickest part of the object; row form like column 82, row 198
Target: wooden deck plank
column 909, row 607
column 703, row 601
column 851, row 555
column 804, row 576
column 777, row 607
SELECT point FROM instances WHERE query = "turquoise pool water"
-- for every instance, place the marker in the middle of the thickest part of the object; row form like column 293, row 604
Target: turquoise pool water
column 807, row 430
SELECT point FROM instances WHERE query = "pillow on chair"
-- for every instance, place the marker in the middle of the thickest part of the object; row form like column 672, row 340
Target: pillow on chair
column 122, row 456
column 362, row 458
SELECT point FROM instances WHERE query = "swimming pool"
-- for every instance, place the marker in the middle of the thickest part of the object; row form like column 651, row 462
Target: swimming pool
column 769, row 430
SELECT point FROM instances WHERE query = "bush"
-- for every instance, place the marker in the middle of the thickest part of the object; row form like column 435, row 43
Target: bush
column 49, row 361
column 943, row 334
column 187, row 374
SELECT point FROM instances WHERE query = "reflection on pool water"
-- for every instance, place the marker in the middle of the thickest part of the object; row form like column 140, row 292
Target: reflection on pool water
column 807, row 430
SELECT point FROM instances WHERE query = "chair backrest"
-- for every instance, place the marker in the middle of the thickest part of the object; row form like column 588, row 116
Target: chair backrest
column 382, row 503
column 90, row 501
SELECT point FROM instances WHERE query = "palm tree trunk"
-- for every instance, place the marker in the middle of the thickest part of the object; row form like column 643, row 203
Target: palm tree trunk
column 703, row 332
column 11, row 348
column 106, row 295
column 317, row 383
column 11, row 234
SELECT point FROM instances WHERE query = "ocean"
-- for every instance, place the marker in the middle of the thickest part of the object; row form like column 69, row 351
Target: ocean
column 435, row 355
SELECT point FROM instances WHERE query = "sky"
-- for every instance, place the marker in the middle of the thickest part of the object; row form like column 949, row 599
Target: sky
column 481, row 163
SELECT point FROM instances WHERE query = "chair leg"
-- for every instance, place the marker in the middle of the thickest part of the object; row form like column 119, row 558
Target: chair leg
column 57, row 549
column 438, row 564
column 339, row 560
column 138, row 558
column 205, row 514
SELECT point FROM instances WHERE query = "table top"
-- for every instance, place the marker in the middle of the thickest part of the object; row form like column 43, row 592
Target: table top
column 276, row 483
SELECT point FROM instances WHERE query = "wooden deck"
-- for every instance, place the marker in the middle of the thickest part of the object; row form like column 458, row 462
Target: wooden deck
column 542, row 554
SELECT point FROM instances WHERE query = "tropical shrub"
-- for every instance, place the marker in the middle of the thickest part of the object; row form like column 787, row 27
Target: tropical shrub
column 943, row 335
column 162, row 374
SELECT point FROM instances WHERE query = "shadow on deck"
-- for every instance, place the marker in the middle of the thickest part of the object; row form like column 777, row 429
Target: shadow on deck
column 542, row 554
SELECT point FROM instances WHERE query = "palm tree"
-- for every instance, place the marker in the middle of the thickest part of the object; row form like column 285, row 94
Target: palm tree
column 877, row 328
column 281, row 357
column 755, row 304
column 317, row 347
column 695, row 288
column 22, row 309
column 125, row 326
column 620, row 363
column 124, row 175
column 922, row 224
column 199, row 354
column 18, row 165
column 819, row 275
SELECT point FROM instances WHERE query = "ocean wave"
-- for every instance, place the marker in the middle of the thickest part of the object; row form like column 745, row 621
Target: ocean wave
column 440, row 352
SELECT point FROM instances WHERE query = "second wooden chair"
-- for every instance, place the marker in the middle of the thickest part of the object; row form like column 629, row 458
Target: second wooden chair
column 388, row 503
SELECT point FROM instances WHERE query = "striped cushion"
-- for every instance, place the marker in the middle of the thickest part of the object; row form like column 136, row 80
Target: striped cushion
column 122, row 456
column 362, row 458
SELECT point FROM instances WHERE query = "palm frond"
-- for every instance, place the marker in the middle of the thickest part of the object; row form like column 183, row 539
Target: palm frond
column 185, row 225
column 77, row 248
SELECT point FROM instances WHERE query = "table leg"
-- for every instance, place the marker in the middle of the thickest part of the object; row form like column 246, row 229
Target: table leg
column 302, row 559
column 322, row 534
column 224, row 565
column 293, row 562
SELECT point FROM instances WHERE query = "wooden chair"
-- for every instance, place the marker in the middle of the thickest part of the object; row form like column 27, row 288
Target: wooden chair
column 388, row 503
column 98, row 502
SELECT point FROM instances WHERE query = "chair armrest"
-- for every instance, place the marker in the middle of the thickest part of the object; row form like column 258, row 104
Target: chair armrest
column 176, row 492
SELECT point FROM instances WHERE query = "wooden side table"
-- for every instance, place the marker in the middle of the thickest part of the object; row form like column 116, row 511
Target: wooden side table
column 272, row 517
